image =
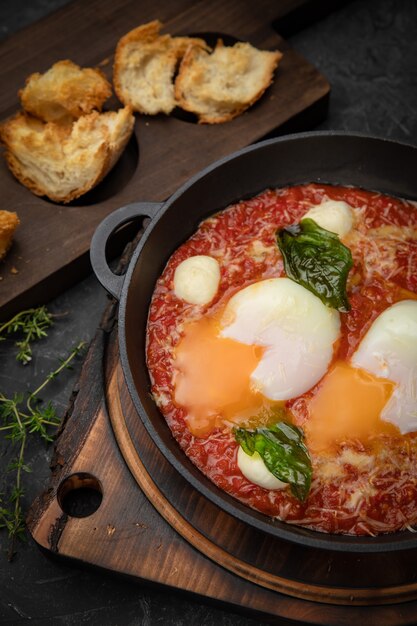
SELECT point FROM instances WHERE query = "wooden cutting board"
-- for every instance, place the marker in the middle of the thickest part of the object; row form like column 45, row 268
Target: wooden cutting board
column 114, row 502
column 51, row 247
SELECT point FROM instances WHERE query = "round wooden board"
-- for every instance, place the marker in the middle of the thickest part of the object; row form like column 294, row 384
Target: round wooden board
column 324, row 576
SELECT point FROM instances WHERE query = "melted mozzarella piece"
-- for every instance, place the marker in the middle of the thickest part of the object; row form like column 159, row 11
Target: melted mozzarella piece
column 333, row 215
column 196, row 279
column 255, row 470
column 296, row 329
column 389, row 350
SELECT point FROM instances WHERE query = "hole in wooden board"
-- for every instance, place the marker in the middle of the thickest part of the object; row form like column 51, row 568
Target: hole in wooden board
column 211, row 39
column 80, row 495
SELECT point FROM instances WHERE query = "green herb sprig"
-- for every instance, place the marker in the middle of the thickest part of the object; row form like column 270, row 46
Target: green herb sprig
column 19, row 419
column 32, row 324
column 282, row 449
column 316, row 259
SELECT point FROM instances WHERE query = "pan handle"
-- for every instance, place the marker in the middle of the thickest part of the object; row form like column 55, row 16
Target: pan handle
column 111, row 281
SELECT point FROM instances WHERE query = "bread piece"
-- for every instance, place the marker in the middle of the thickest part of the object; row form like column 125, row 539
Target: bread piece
column 219, row 86
column 65, row 161
column 9, row 221
column 144, row 68
column 65, row 92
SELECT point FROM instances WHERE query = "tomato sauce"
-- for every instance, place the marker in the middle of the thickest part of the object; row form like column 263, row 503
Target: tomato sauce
column 362, row 488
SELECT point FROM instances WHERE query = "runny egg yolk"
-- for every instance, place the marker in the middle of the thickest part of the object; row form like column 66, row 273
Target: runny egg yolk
column 212, row 379
column 348, row 404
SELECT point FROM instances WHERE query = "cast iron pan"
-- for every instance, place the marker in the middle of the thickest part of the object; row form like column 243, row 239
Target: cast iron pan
column 335, row 158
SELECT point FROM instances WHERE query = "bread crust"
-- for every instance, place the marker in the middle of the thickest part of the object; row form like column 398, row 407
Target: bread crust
column 9, row 221
column 63, row 162
column 144, row 66
column 220, row 86
column 65, row 92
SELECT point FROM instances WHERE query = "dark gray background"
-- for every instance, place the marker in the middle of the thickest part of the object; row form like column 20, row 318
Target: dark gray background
column 368, row 52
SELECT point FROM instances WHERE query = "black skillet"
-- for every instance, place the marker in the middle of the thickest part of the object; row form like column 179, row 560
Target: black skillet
column 328, row 157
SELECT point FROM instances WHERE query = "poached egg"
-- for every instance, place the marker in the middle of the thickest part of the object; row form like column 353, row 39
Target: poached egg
column 273, row 341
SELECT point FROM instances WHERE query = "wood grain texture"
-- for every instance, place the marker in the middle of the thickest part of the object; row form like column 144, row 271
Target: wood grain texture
column 154, row 527
column 51, row 247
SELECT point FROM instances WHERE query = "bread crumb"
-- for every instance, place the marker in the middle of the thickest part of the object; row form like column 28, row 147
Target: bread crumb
column 104, row 62
column 110, row 530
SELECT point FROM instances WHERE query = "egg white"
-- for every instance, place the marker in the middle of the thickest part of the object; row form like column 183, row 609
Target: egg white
column 389, row 350
column 296, row 329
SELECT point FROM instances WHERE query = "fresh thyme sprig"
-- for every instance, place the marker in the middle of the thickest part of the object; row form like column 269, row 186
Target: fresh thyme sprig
column 32, row 323
column 19, row 420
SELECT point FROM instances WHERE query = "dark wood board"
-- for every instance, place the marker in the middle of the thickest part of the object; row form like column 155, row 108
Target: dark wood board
column 151, row 525
column 51, row 246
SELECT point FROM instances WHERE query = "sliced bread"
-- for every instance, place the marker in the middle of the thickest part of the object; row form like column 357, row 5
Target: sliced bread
column 144, row 67
column 219, row 86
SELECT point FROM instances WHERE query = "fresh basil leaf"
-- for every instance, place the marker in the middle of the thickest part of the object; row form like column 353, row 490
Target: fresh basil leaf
column 284, row 453
column 316, row 259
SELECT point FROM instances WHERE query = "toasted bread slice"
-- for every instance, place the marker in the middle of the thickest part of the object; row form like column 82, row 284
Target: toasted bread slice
column 144, row 68
column 9, row 221
column 61, row 161
column 65, row 92
column 219, row 86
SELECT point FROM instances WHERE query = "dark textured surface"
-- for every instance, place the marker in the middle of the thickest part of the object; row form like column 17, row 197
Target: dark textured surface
column 367, row 50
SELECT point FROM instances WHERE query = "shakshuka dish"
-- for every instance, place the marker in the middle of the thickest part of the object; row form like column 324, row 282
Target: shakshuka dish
column 282, row 351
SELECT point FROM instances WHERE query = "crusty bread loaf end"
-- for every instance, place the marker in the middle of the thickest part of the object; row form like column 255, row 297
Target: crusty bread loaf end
column 65, row 92
column 9, row 221
column 63, row 162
